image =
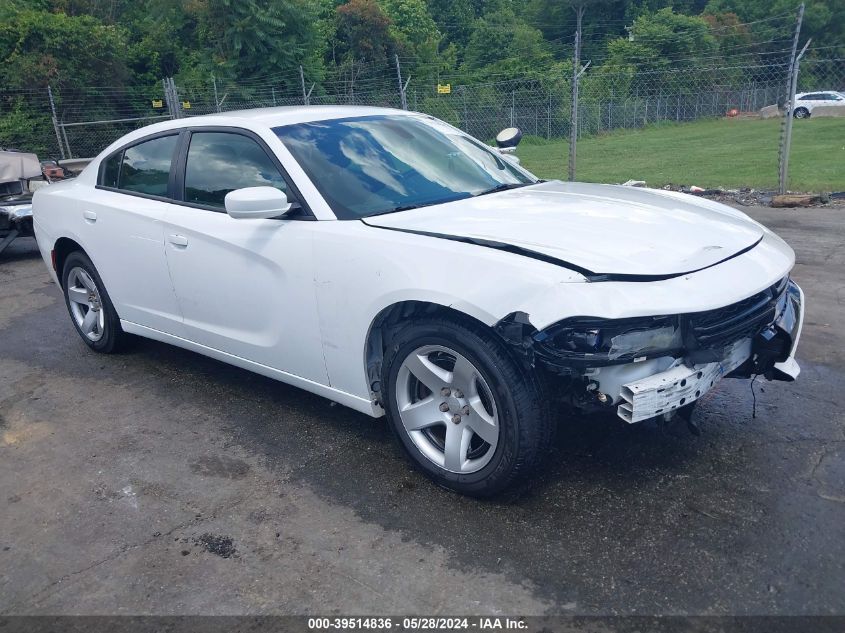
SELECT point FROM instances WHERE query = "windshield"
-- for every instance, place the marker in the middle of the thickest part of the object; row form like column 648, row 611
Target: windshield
column 370, row 165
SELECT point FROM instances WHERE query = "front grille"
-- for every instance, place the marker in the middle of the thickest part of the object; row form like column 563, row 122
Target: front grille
column 743, row 319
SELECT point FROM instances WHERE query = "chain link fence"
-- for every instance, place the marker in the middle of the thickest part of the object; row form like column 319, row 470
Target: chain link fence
column 87, row 119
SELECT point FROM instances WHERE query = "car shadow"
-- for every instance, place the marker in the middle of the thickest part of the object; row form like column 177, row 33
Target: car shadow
column 332, row 447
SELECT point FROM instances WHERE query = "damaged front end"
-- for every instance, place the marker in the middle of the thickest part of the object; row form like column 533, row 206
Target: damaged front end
column 653, row 366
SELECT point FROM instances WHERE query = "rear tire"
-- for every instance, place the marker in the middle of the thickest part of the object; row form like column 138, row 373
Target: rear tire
column 89, row 305
column 462, row 408
column 801, row 113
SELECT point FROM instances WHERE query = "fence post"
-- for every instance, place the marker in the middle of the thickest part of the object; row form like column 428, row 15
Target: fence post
column 176, row 100
column 305, row 95
column 55, row 121
column 573, row 117
column 216, row 100
column 172, row 98
column 465, row 126
column 403, row 99
column 352, row 80
column 787, row 143
column 786, row 130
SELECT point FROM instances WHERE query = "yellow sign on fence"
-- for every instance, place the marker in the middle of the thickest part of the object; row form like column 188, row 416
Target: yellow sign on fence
column 158, row 103
column 186, row 105
column 444, row 89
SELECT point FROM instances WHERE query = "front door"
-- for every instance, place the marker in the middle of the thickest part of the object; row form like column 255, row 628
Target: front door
column 245, row 287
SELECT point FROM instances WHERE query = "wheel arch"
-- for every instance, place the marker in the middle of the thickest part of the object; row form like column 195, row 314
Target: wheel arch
column 63, row 247
column 377, row 341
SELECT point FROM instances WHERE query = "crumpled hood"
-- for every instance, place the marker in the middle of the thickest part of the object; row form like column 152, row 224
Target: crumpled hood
column 602, row 229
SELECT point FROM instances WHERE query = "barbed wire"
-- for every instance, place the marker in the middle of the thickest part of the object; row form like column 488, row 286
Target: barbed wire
column 612, row 96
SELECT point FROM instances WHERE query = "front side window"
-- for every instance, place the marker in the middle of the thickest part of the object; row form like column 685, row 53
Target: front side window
column 220, row 162
column 379, row 164
column 145, row 167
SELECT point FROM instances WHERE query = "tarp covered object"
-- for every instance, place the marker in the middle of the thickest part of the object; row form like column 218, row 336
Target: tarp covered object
column 15, row 166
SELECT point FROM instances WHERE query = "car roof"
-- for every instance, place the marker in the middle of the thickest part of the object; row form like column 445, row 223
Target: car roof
column 281, row 115
column 265, row 117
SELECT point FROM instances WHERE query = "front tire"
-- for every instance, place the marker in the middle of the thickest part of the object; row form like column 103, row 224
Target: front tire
column 89, row 305
column 461, row 407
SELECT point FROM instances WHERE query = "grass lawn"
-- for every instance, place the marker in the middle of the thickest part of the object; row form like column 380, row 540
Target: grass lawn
column 728, row 153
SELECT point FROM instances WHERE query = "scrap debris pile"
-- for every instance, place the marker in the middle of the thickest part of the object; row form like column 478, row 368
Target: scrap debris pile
column 754, row 197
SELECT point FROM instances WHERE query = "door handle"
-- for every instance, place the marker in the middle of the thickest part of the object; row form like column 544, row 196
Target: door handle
column 90, row 216
column 179, row 241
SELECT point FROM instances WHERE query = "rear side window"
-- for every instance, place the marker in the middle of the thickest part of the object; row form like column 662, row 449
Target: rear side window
column 111, row 170
column 145, row 167
column 220, row 162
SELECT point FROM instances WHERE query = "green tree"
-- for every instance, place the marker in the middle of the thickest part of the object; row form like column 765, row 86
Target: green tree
column 502, row 46
column 413, row 29
column 659, row 40
column 251, row 38
column 824, row 21
column 38, row 47
column 454, row 19
column 362, row 32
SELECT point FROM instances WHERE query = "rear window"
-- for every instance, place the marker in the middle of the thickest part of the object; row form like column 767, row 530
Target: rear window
column 111, row 170
column 143, row 168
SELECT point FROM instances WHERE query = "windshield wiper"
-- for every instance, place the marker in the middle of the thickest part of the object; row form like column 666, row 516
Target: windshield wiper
column 504, row 187
column 401, row 207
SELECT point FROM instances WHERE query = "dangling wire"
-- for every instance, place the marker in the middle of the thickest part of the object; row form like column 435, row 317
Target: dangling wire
column 753, row 397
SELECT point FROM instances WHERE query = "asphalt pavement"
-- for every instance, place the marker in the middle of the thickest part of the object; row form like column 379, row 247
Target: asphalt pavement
column 159, row 481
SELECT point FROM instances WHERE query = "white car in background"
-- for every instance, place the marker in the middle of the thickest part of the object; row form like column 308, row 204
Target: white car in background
column 806, row 102
column 390, row 262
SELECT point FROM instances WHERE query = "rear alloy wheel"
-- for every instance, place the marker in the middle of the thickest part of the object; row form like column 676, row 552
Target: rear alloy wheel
column 801, row 113
column 89, row 305
column 86, row 304
column 462, row 407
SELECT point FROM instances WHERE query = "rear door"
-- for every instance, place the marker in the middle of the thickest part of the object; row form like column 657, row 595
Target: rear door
column 245, row 287
column 124, row 234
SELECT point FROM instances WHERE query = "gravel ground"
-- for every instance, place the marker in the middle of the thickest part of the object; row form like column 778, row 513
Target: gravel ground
column 162, row 482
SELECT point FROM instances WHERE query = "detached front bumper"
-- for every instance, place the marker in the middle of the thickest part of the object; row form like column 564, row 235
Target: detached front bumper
column 790, row 323
column 771, row 354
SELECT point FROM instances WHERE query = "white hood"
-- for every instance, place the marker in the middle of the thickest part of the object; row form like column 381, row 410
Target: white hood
column 604, row 229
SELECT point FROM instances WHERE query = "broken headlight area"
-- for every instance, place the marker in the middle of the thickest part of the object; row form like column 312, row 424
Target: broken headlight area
column 776, row 341
column 587, row 341
column 602, row 360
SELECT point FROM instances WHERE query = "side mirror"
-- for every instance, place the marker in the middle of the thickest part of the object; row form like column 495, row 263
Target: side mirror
column 509, row 137
column 256, row 203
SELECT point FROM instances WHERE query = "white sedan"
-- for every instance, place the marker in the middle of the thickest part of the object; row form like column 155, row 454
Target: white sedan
column 806, row 102
column 390, row 262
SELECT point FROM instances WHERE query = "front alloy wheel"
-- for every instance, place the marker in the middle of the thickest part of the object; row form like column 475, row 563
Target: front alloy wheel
column 447, row 409
column 465, row 410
